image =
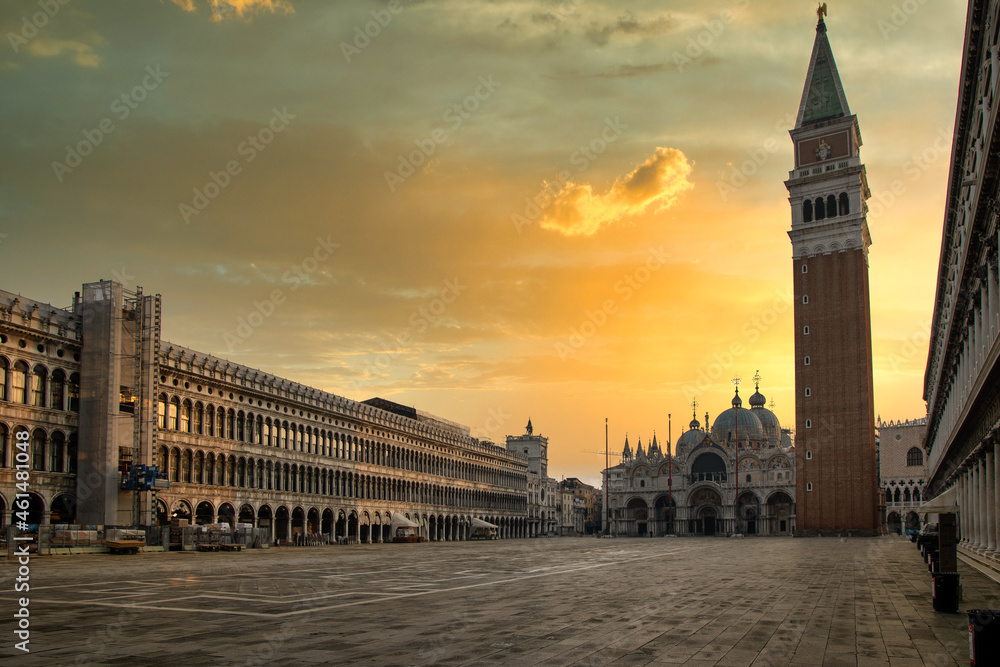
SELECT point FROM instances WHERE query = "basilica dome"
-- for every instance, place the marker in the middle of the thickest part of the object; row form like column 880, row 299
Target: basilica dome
column 768, row 420
column 724, row 429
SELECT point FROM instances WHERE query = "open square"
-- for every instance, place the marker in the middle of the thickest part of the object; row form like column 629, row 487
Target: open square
column 699, row 601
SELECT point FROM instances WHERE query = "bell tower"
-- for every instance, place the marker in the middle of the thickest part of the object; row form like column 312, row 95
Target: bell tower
column 836, row 484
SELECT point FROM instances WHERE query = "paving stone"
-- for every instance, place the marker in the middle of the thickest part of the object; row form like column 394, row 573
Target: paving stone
column 519, row 602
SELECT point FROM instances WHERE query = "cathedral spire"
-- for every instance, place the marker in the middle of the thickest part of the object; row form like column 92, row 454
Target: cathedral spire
column 823, row 96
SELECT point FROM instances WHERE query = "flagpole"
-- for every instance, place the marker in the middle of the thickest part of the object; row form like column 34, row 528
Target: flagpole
column 607, row 510
column 670, row 471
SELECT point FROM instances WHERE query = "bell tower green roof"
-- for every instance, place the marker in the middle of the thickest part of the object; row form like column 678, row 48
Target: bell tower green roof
column 823, row 96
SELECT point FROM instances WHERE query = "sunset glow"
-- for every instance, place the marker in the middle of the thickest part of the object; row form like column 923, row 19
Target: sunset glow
column 563, row 210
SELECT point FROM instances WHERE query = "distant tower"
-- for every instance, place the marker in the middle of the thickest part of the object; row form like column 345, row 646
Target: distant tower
column 835, row 459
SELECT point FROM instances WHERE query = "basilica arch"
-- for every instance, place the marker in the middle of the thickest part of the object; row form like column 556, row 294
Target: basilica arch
column 636, row 518
column 705, row 511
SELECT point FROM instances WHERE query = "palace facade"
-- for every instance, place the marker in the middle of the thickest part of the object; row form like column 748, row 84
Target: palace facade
column 100, row 401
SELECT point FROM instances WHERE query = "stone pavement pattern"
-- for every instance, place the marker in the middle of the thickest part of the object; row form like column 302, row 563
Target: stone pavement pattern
column 563, row 601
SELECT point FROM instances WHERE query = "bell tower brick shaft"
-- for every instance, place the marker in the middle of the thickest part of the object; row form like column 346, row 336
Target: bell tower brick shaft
column 836, row 484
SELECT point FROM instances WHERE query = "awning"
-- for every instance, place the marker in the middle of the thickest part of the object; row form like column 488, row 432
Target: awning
column 479, row 523
column 944, row 503
column 399, row 520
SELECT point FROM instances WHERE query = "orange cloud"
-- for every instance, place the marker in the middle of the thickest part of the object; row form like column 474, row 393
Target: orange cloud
column 576, row 210
column 242, row 9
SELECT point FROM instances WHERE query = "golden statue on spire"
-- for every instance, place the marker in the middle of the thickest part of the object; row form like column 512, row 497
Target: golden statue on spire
column 821, row 11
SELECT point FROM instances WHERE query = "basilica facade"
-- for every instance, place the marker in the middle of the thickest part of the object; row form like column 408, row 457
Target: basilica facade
column 697, row 488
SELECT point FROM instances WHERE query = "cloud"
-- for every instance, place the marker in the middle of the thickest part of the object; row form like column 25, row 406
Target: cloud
column 630, row 25
column 240, row 9
column 577, row 211
column 629, row 71
column 82, row 53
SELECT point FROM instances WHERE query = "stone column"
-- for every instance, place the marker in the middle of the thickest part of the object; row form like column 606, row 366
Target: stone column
column 980, row 506
column 970, row 510
column 963, row 507
column 995, row 446
column 990, row 496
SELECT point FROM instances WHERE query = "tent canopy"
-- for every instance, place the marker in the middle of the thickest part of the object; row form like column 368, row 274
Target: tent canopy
column 944, row 503
column 399, row 520
column 479, row 523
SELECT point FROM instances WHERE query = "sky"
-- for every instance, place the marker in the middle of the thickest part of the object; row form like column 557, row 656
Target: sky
column 568, row 210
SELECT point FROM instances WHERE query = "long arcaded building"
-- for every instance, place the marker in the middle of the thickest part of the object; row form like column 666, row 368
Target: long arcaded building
column 96, row 395
column 962, row 379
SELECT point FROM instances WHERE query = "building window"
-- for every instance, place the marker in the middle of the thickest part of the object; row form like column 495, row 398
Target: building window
column 57, row 452
column 809, row 391
column 807, row 360
column 809, row 453
column 805, row 299
column 831, row 206
column 809, row 486
column 805, row 268
column 19, row 383
column 3, row 378
column 38, row 450
column 73, row 390
column 845, row 203
column 820, row 208
column 805, row 330
column 748, row 479
column 38, row 387
column 57, row 390
column 809, row 423
column 807, row 211
column 914, row 457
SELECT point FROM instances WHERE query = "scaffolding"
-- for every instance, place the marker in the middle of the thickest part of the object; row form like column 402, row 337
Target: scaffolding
column 141, row 324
